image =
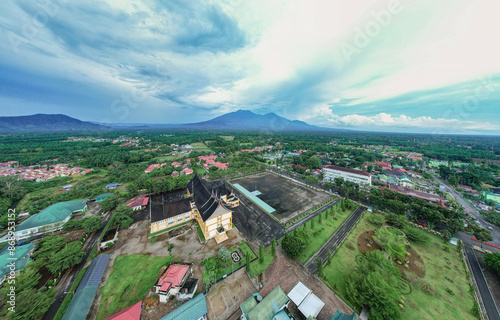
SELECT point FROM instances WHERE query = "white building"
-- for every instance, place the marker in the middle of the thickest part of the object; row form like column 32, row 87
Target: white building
column 357, row 176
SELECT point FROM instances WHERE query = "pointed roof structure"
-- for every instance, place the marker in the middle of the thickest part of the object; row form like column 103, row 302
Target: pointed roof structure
column 206, row 197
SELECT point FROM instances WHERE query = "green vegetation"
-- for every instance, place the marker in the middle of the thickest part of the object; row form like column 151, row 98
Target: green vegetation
column 429, row 298
column 319, row 234
column 257, row 267
column 200, row 233
column 131, row 278
column 492, row 260
column 221, row 267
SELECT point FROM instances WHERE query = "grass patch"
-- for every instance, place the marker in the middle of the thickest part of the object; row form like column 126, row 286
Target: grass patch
column 321, row 232
column 200, row 146
column 419, row 305
column 223, row 268
column 200, row 233
column 257, row 268
column 69, row 296
column 131, row 278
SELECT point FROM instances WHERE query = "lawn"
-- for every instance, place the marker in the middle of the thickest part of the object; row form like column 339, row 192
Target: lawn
column 321, row 232
column 131, row 278
column 438, row 262
column 200, row 233
column 223, row 268
column 257, row 268
column 200, row 146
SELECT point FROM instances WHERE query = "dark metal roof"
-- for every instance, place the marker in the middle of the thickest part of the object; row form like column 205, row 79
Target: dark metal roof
column 206, row 195
column 161, row 209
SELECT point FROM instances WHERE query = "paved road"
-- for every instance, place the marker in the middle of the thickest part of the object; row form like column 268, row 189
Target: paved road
column 334, row 240
column 495, row 232
column 312, row 215
column 64, row 286
column 489, row 303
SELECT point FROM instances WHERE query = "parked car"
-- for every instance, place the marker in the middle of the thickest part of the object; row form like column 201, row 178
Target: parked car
column 421, row 224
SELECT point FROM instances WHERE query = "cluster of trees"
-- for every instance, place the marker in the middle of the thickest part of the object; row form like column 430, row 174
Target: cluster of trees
column 492, row 260
column 89, row 224
column 418, row 209
column 374, row 283
column 293, row 243
column 122, row 216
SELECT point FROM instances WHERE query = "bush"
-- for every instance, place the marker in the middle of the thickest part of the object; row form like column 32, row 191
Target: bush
column 376, row 219
column 415, row 234
column 153, row 239
column 224, row 254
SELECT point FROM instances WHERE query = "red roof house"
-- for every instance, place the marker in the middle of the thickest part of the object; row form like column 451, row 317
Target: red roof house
column 131, row 313
column 138, row 202
column 172, row 280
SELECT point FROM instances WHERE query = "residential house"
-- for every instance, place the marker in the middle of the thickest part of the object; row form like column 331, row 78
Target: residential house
column 131, row 313
column 172, row 281
column 138, row 203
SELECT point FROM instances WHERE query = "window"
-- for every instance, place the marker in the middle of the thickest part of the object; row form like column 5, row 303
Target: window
column 171, row 218
column 171, row 222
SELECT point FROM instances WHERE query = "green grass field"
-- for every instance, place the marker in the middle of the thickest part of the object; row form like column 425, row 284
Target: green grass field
column 200, row 146
column 257, row 268
column 419, row 305
column 322, row 232
column 131, row 278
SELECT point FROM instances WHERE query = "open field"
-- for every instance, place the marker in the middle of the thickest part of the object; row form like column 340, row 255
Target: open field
column 321, row 232
column 287, row 197
column 438, row 263
column 200, row 146
column 256, row 267
column 131, row 278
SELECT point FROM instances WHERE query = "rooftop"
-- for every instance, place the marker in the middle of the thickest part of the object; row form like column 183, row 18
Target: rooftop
column 349, row 170
column 131, row 313
column 173, row 276
column 269, row 306
column 191, row 310
column 21, row 254
column 141, row 200
column 52, row 214
column 161, row 209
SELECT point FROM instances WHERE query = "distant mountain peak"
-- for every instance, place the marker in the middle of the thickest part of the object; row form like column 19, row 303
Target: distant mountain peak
column 46, row 122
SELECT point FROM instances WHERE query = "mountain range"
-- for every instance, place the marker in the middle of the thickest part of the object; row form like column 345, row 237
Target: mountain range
column 241, row 120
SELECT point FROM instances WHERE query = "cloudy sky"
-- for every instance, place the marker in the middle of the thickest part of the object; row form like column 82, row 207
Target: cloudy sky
column 407, row 66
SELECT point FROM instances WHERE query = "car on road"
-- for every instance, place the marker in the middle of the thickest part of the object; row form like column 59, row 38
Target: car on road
column 421, row 224
column 490, row 227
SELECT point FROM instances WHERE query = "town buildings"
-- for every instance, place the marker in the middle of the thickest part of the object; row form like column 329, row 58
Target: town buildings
column 357, row 176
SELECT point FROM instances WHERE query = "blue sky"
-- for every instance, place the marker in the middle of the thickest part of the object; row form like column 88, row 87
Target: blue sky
column 405, row 66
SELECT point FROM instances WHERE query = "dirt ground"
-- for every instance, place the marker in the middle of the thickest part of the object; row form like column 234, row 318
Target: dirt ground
column 492, row 278
column 187, row 248
column 93, row 210
column 225, row 298
column 287, row 197
column 287, row 272
column 363, row 243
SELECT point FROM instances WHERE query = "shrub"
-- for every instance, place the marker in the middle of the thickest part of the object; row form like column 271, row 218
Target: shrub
column 376, row 219
column 224, row 254
column 415, row 234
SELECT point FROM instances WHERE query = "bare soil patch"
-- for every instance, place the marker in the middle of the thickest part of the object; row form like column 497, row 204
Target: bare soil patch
column 287, row 272
column 416, row 264
column 366, row 242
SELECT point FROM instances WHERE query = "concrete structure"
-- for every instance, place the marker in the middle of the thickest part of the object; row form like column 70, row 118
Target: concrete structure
column 491, row 196
column 50, row 219
column 357, row 176
column 306, row 301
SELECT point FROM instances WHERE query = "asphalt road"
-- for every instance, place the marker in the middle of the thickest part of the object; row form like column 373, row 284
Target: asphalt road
column 495, row 232
column 64, row 286
column 335, row 239
column 489, row 303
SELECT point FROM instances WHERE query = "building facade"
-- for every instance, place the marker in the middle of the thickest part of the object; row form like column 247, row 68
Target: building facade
column 360, row 177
